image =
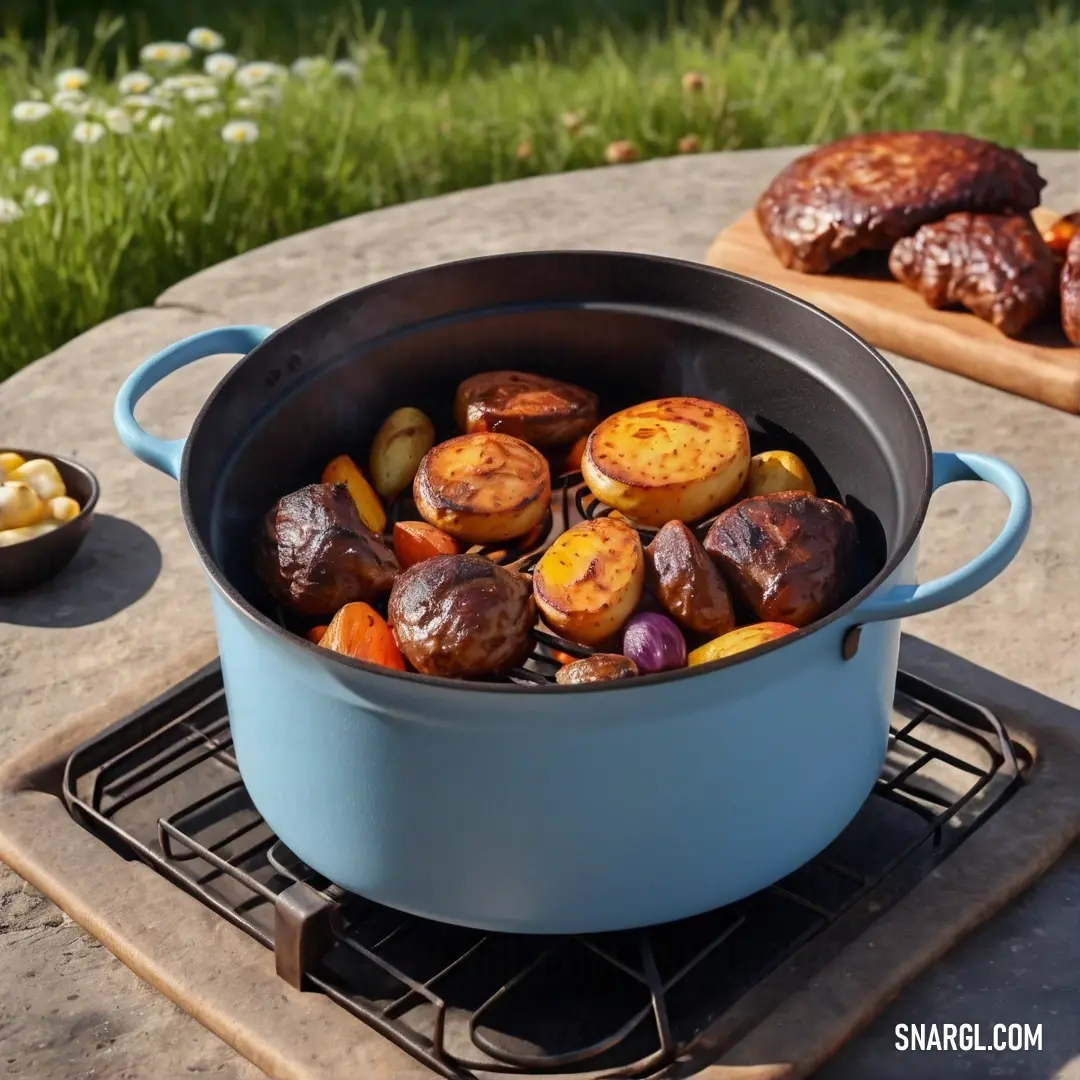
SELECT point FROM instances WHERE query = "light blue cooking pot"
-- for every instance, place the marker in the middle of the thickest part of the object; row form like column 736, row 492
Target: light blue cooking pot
column 562, row 809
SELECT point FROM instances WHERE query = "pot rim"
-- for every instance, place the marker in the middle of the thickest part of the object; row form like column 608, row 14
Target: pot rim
column 264, row 622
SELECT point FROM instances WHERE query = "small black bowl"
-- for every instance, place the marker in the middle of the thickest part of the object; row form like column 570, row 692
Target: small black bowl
column 33, row 562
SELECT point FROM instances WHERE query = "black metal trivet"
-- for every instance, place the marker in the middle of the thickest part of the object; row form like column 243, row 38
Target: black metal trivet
column 163, row 785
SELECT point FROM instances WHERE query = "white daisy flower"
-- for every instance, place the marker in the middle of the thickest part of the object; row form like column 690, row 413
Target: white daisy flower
column 138, row 101
column 160, row 124
column 240, row 131
column 258, row 73
column 346, row 69
column 208, row 110
column 267, row 95
column 178, row 83
column 36, row 196
column 72, row 102
column 72, row 79
column 246, row 106
column 220, row 65
column 195, row 94
column 165, row 53
column 135, row 82
column 97, row 107
column 139, row 116
column 30, row 112
column 39, row 157
column 87, row 132
column 205, row 39
column 10, row 211
column 118, row 121
column 310, row 67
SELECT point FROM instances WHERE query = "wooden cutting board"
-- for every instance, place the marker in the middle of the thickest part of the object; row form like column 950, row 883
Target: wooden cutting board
column 1042, row 365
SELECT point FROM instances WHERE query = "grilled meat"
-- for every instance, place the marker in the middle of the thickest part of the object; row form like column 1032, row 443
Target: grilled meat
column 865, row 192
column 683, row 578
column 998, row 267
column 462, row 615
column 788, row 556
column 534, row 408
column 603, row 667
column 1070, row 291
column 315, row 555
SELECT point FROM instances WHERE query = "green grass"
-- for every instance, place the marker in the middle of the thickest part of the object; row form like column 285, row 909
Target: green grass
column 134, row 213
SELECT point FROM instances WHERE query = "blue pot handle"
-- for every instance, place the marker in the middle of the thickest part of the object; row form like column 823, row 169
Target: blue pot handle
column 166, row 454
column 902, row 601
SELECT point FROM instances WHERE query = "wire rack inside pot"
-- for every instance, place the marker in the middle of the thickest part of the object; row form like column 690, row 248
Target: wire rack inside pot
column 163, row 786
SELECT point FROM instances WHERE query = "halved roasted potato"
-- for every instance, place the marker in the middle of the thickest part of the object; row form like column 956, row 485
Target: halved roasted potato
column 541, row 410
column 590, row 580
column 676, row 459
column 777, row 470
column 483, row 488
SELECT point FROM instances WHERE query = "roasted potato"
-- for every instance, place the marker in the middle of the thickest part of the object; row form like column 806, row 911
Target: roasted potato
column 43, row 476
column 63, row 508
column 589, row 581
column 777, row 470
column 541, row 411
column 737, row 641
column 315, row 555
column 9, row 462
column 462, row 615
column 483, row 488
column 676, row 459
column 20, row 505
column 9, row 537
column 603, row 667
column 684, row 580
column 788, row 556
column 399, row 446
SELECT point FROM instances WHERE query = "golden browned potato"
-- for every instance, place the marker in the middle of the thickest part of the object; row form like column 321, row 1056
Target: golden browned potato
column 483, row 488
column 42, row 475
column 590, row 580
column 737, row 641
column 676, row 459
column 10, row 537
column 538, row 409
column 20, row 505
column 9, row 462
column 777, row 470
column 399, row 447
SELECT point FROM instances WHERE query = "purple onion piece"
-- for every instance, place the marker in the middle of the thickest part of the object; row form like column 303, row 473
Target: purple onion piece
column 653, row 642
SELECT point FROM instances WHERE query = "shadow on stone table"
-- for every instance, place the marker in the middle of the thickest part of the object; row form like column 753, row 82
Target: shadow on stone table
column 116, row 566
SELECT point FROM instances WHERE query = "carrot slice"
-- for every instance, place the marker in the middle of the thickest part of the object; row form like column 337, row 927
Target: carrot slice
column 415, row 541
column 343, row 470
column 316, row 634
column 359, row 631
column 572, row 462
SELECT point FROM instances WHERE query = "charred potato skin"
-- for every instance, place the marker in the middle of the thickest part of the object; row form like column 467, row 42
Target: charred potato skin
column 459, row 505
column 787, row 556
column 314, row 555
column 673, row 458
column 541, row 411
column 682, row 577
column 602, row 667
column 462, row 616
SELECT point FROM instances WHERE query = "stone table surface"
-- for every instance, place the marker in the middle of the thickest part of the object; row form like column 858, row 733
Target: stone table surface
column 135, row 595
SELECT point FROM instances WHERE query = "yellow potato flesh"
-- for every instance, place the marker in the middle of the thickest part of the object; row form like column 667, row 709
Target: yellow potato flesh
column 10, row 537
column 673, row 459
column 777, row 470
column 483, row 488
column 589, row 581
column 43, row 476
column 737, row 641
column 399, row 447
column 9, row 462
column 20, row 505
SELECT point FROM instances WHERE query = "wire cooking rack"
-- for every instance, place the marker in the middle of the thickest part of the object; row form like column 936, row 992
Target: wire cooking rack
column 163, row 786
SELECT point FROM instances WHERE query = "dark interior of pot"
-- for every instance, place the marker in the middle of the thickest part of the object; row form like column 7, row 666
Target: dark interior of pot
column 631, row 328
